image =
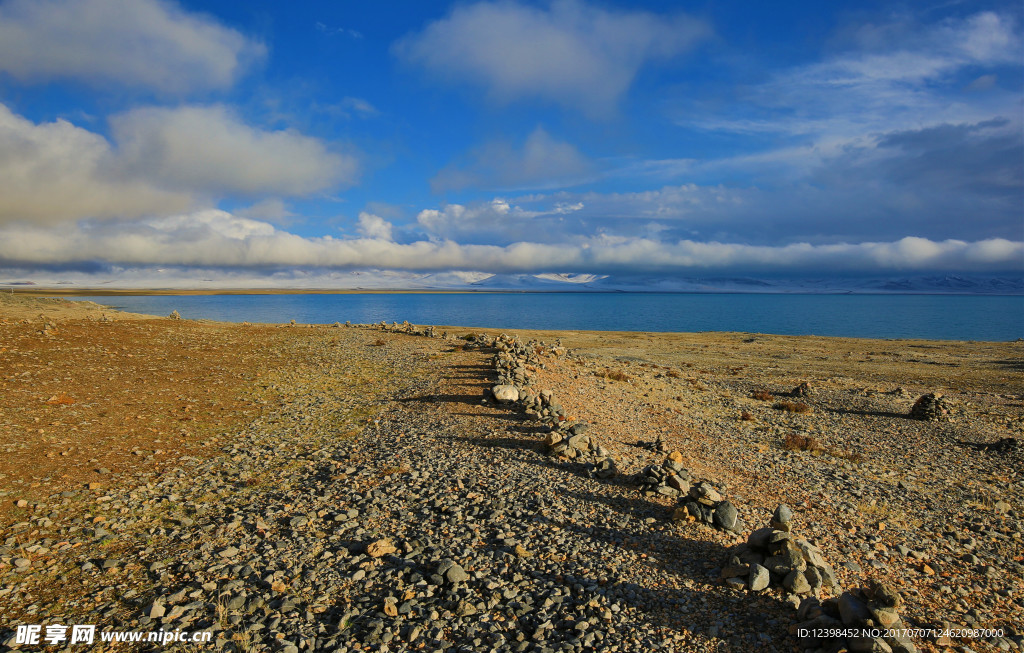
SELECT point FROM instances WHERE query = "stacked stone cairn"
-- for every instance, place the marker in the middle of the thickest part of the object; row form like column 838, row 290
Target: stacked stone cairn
column 406, row 327
column 868, row 616
column 932, row 407
column 773, row 557
column 511, row 360
column 699, row 500
column 576, row 444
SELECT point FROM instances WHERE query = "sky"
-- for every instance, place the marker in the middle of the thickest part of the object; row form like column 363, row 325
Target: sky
column 152, row 139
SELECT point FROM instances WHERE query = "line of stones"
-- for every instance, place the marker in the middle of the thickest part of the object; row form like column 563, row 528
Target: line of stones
column 863, row 619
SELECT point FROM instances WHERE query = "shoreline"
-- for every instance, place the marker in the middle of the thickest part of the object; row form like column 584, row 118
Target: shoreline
column 65, row 305
column 54, row 291
column 65, row 301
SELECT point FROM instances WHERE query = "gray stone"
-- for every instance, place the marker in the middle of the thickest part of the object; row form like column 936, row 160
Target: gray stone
column 726, row 515
column 759, row 578
column 705, row 493
column 452, row 572
column 782, row 517
column 796, row 582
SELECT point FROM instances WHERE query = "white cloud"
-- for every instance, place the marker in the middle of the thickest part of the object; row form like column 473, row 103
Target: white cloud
column 574, row 54
column 208, row 148
column 541, row 162
column 899, row 77
column 374, row 226
column 496, row 220
column 149, row 43
column 164, row 161
column 56, row 171
column 358, row 106
column 218, row 239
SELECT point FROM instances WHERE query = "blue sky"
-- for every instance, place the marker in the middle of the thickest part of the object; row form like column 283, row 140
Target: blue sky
column 239, row 140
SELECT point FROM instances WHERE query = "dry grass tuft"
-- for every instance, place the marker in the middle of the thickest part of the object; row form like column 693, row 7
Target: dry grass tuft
column 614, row 375
column 61, row 399
column 746, row 417
column 379, row 342
column 797, row 442
column 673, row 374
column 763, row 395
column 793, row 407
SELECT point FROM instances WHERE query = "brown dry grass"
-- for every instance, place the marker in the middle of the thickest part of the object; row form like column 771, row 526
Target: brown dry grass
column 794, row 407
column 810, row 444
column 92, row 394
column 797, row 442
column 614, row 375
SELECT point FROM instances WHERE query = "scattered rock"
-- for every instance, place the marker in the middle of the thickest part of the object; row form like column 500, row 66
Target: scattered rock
column 380, row 548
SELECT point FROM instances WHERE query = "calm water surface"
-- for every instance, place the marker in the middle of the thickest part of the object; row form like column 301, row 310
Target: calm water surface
column 940, row 317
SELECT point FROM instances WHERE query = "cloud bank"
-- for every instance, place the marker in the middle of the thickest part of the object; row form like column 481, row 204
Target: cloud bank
column 145, row 43
column 216, row 238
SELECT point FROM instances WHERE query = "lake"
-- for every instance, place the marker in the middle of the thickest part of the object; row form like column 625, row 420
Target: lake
column 939, row 317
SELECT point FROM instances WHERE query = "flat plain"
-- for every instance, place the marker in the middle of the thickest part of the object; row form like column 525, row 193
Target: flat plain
column 308, row 487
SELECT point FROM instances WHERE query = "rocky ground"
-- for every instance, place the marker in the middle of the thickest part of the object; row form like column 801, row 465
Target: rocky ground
column 342, row 488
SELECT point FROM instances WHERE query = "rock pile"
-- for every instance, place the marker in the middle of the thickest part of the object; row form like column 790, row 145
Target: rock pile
column 774, row 557
column 406, row 327
column 669, row 479
column 802, row 390
column 544, row 408
column 575, row 444
column 932, row 407
column 511, row 360
column 868, row 616
column 699, row 500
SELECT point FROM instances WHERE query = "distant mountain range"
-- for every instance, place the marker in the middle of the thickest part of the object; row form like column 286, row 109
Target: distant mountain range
column 949, row 284
column 1008, row 284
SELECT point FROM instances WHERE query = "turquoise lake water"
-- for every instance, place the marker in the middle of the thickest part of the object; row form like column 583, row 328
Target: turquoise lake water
column 940, row 317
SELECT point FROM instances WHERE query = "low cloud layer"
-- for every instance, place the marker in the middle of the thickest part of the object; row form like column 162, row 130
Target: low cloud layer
column 218, row 239
column 146, row 43
column 162, row 161
column 573, row 54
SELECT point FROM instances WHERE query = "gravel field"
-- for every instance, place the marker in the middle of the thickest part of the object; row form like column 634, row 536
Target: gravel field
column 357, row 489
